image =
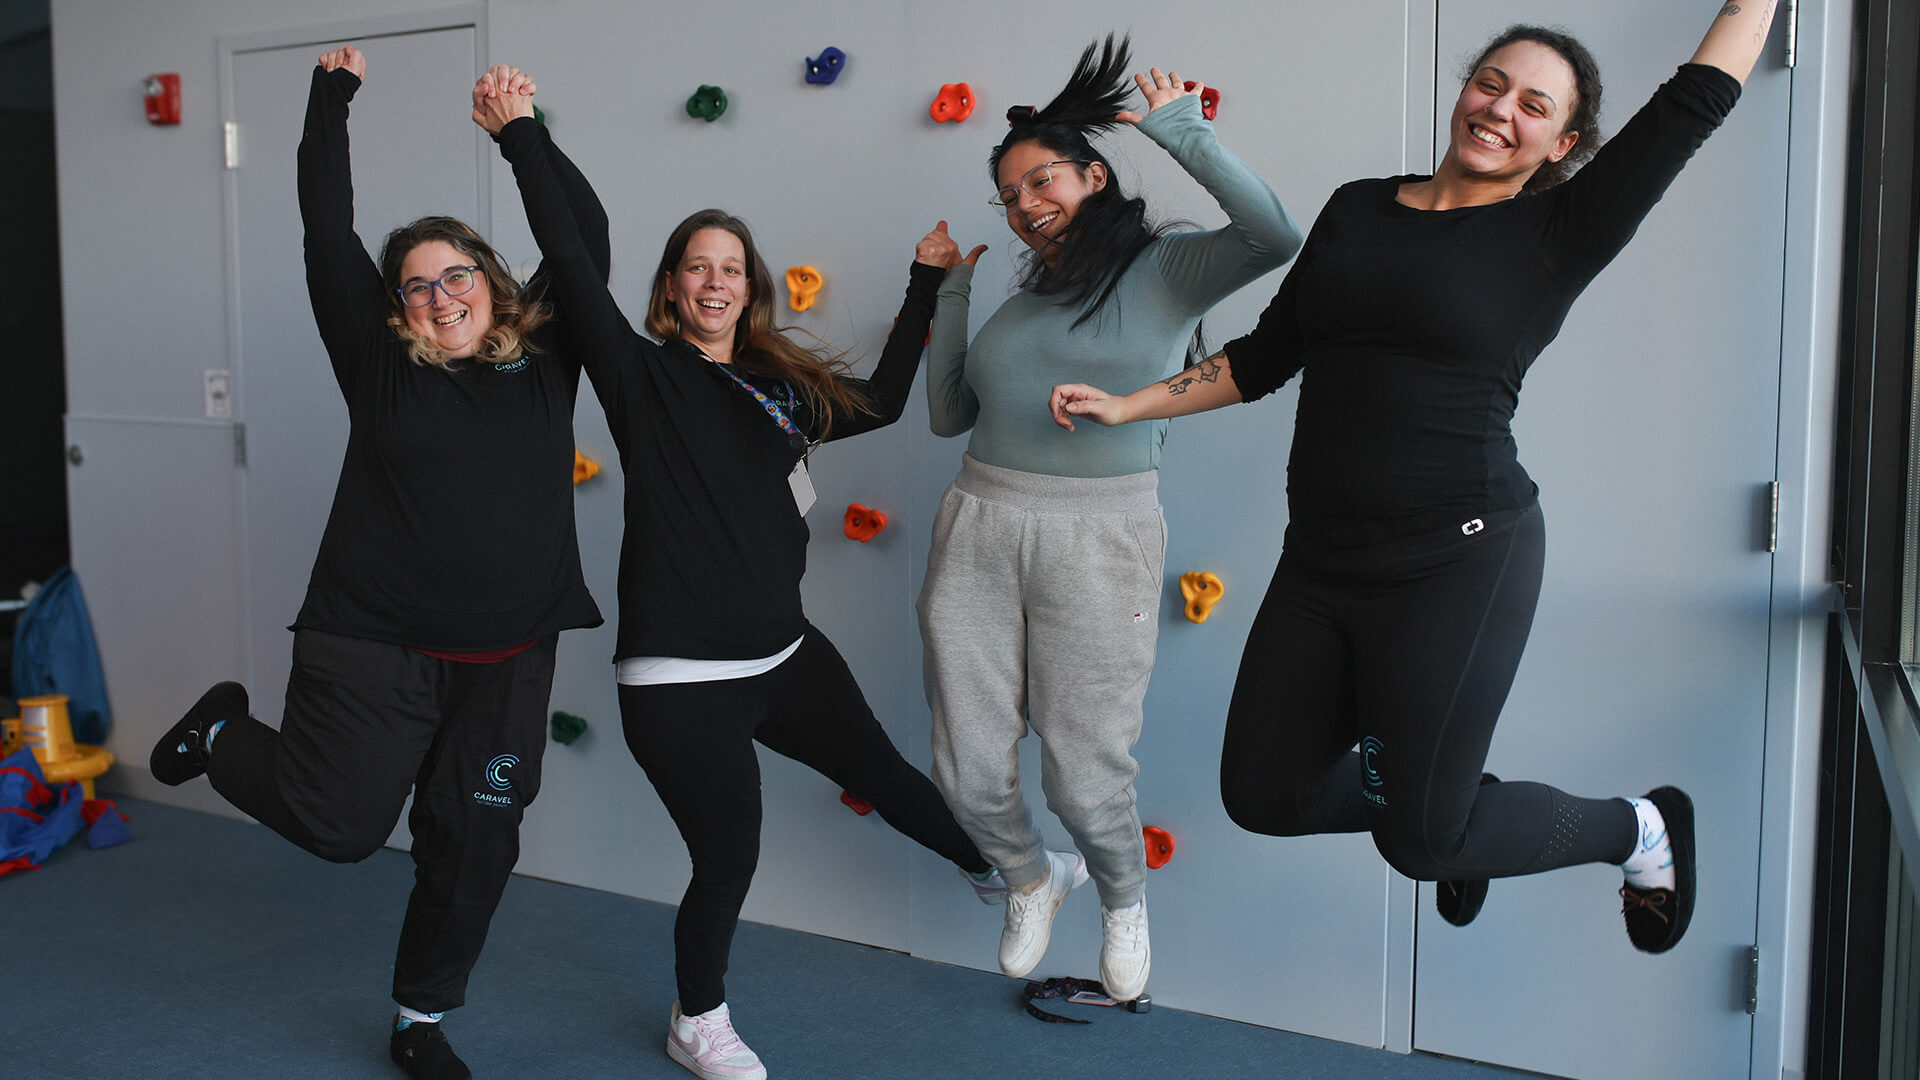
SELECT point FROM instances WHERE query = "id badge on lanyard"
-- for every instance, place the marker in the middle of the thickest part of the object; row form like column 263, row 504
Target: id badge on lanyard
column 798, row 480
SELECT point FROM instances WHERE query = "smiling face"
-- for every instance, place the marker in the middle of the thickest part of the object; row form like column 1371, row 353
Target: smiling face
column 456, row 325
column 1512, row 114
column 1041, row 205
column 709, row 289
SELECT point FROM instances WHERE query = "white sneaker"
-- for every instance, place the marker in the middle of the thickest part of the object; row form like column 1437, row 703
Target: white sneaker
column 991, row 889
column 1030, row 914
column 1125, row 955
column 707, row 1045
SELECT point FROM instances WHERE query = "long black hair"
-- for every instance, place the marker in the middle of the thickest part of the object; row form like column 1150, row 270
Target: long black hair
column 1110, row 229
column 1585, row 117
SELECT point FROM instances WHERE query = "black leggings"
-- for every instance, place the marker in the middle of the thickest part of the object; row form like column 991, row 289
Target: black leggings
column 1408, row 650
column 695, row 741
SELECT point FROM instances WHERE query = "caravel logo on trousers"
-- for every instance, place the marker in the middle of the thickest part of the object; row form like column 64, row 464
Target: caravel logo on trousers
column 498, row 780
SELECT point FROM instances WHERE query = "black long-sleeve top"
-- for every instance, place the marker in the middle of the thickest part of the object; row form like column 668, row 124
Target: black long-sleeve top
column 1414, row 328
column 715, row 545
column 452, row 523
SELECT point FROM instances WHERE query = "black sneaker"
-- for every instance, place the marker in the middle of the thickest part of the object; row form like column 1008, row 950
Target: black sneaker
column 1656, row 918
column 1459, row 901
column 181, row 754
column 423, row 1051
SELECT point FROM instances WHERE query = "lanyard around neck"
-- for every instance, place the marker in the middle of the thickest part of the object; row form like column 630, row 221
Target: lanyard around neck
column 794, row 434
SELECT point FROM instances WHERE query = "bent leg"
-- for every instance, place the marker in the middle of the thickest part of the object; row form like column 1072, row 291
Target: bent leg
column 1093, row 588
column 359, row 720
column 695, row 741
column 1437, row 657
column 821, row 719
column 472, row 791
column 976, row 678
column 1287, row 763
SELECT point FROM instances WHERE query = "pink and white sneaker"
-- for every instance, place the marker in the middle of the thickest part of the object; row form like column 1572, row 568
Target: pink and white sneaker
column 991, row 889
column 708, row 1047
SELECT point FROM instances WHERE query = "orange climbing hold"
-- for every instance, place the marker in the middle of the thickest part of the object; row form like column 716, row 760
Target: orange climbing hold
column 1202, row 590
column 864, row 522
column 584, row 468
column 803, row 286
column 954, row 102
column 856, row 804
column 1159, row 846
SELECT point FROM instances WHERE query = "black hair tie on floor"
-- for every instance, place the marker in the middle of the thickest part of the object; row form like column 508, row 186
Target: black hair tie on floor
column 1078, row 992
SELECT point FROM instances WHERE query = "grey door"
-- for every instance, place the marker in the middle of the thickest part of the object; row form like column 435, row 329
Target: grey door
column 415, row 153
column 1650, row 426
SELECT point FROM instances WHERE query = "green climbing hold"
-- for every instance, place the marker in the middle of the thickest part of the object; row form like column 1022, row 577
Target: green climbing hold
column 568, row 727
column 707, row 103
column 540, row 116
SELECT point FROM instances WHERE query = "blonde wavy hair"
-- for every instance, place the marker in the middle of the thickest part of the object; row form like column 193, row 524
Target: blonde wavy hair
column 758, row 343
column 515, row 313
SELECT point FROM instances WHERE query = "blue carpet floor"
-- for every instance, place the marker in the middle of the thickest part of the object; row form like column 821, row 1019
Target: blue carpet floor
column 208, row 948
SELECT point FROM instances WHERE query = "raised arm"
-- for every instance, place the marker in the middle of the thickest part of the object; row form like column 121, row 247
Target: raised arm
column 594, row 326
column 952, row 406
column 1201, row 268
column 343, row 284
column 892, row 379
column 588, row 215
column 1738, row 33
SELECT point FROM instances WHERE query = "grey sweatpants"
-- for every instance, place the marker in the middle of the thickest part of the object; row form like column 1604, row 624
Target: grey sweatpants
column 1041, row 605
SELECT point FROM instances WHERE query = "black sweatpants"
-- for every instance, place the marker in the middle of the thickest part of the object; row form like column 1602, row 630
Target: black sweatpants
column 695, row 741
column 366, row 723
column 1406, row 649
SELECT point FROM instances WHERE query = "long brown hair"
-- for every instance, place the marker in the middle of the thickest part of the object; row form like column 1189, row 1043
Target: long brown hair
column 758, row 343
column 515, row 314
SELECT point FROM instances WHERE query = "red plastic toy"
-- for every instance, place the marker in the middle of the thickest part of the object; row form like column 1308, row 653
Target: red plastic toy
column 955, row 103
column 1159, row 846
column 864, row 523
column 1209, row 100
column 856, row 804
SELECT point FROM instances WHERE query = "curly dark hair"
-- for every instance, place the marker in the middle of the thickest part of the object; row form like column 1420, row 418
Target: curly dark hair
column 1110, row 228
column 1585, row 117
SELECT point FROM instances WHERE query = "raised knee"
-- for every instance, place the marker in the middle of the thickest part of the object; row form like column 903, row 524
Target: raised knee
column 1266, row 814
column 1411, row 857
column 346, row 849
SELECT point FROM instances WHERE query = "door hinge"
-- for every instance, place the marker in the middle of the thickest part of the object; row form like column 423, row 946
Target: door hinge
column 1753, row 980
column 1793, row 32
column 1773, row 515
column 239, row 445
column 232, row 131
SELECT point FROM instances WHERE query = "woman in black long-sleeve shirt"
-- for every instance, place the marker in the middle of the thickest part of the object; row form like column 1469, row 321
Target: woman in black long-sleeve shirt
column 423, row 653
column 1415, row 544
column 714, row 652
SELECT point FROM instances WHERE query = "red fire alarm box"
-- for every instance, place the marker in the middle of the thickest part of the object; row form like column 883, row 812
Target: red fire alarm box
column 163, row 99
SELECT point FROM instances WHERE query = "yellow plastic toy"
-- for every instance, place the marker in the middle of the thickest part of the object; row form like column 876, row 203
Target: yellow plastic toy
column 43, row 725
column 803, row 285
column 1202, row 590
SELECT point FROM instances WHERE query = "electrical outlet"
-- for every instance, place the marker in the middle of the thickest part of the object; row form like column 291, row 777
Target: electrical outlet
column 219, row 394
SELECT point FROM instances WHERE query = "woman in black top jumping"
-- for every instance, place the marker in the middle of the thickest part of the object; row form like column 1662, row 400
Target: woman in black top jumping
column 424, row 651
column 713, row 427
column 1414, row 546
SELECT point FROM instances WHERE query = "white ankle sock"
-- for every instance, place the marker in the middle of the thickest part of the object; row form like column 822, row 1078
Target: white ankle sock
column 1651, row 864
column 412, row 1016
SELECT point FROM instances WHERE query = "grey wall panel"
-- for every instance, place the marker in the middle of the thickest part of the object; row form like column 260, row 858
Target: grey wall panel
column 153, row 505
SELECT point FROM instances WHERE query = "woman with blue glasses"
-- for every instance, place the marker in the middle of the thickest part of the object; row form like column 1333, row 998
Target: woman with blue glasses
column 423, row 654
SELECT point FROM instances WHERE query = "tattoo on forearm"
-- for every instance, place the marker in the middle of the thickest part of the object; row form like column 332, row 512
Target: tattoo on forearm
column 1206, row 371
column 1730, row 10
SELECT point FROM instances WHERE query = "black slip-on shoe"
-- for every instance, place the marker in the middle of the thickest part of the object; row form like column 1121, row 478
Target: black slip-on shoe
column 181, row 754
column 1656, row 918
column 423, row 1051
column 1459, row 901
